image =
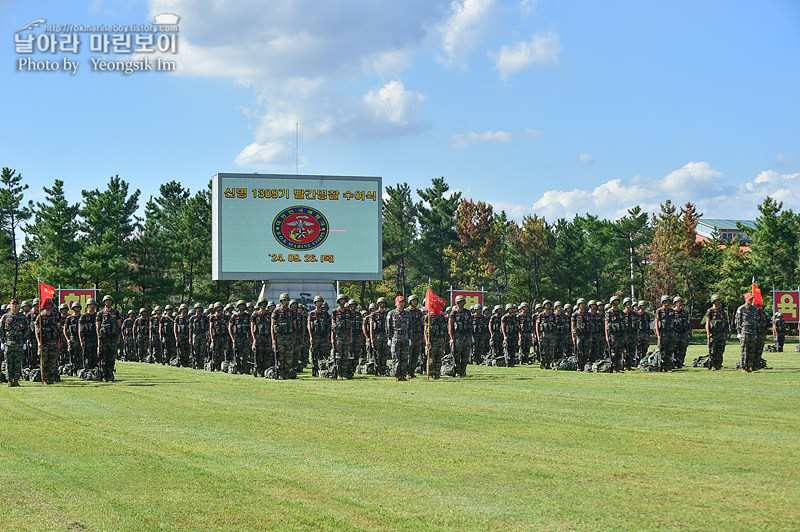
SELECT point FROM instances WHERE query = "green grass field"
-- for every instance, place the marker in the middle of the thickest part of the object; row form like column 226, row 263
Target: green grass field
column 504, row 449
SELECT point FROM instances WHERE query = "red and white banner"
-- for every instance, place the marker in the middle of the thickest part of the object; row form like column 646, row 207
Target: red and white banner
column 45, row 292
column 473, row 297
column 787, row 302
column 71, row 295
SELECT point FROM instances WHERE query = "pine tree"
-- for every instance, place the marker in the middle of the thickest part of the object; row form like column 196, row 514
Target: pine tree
column 399, row 233
column 532, row 256
column 775, row 243
column 51, row 237
column 12, row 215
column 436, row 212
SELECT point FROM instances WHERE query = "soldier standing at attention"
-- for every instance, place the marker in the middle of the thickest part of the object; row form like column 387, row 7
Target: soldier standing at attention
column 628, row 315
column 299, row 327
column 460, row 328
column 537, row 348
column 417, row 346
column 398, row 327
column 717, row 332
column 546, row 333
column 643, row 330
column 496, row 332
column 63, row 354
column 665, row 332
column 747, row 327
column 181, row 333
column 480, row 330
column 48, row 337
column 524, row 320
column 510, row 328
column 166, row 334
column 357, row 347
column 341, row 335
column 615, row 334
column 128, row 338
column 683, row 331
column 239, row 330
column 87, row 333
column 198, row 336
column 13, row 334
column 594, row 345
column 779, row 331
column 156, row 348
column 319, row 331
column 435, row 335
column 283, row 334
column 763, row 329
column 562, row 331
column 569, row 345
column 582, row 333
column 367, row 328
column 378, row 339
column 218, row 329
column 260, row 327
column 71, row 326
column 109, row 325
column 141, row 331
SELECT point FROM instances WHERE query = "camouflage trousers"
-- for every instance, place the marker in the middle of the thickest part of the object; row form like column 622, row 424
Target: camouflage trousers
column 169, row 349
column 381, row 348
column 666, row 350
column 415, row 352
column 681, row 344
column 594, row 346
column 75, row 353
column 435, row 352
column 14, row 354
column 130, row 351
column 244, row 354
column 510, row 350
column 478, row 348
column 90, row 352
column 263, row 355
column 779, row 340
column 284, row 355
column 762, row 339
column 547, row 341
column 359, row 349
column 49, row 354
column 749, row 344
column 560, row 346
column 199, row 350
column 157, row 350
column 185, row 352
column 716, row 349
column 219, row 352
column 497, row 345
column 400, row 351
column 460, row 348
column 616, row 343
column 582, row 346
column 320, row 350
column 142, row 347
column 642, row 344
column 108, row 357
column 525, row 348
column 630, row 349
column 341, row 353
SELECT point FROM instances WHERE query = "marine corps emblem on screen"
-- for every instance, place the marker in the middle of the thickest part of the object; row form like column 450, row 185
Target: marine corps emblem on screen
column 300, row 228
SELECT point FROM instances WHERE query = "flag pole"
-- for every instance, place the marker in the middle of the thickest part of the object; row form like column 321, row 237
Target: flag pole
column 39, row 329
column 428, row 343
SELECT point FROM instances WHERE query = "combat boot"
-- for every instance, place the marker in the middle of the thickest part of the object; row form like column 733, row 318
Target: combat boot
column 11, row 384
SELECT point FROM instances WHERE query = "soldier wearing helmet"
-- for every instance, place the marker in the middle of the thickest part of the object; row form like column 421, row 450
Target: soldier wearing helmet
column 582, row 332
column 156, row 348
column 398, row 325
column 525, row 325
column 435, row 337
column 642, row 325
column 220, row 339
column 71, row 326
column 198, row 336
column 87, row 333
column 260, row 330
column 717, row 332
column 598, row 338
column 615, row 334
column 319, row 333
column 128, row 339
column 683, row 332
column 480, row 335
column 242, row 341
column 13, row 334
column 546, row 334
column 181, row 333
column 460, row 328
column 378, row 340
column 48, row 334
column 141, row 334
column 63, row 354
column 341, row 336
column 509, row 326
column 628, row 317
column 357, row 348
column 166, row 333
column 416, row 352
column 283, row 336
column 665, row 332
column 562, row 332
column 778, row 331
column 496, row 333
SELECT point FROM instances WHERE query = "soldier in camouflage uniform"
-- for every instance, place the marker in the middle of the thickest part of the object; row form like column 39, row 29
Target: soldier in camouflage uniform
column 582, row 333
column 154, row 324
column 319, row 331
column 109, row 325
column 569, row 345
column 341, row 335
column 220, row 339
column 128, row 339
column 181, row 333
column 87, row 333
column 480, row 335
column 665, row 331
column 509, row 326
column 48, row 337
column 283, row 336
column 299, row 327
column 525, row 322
column 562, row 331
column 595, row 322
column 763, row 329
column 435, row 336
column 398, row 329
column 141, row 334
column 378, row 339
column 628, row 316
column 166, row 334
column 357, row 347
column 417, row 341
column 63, row 354
column 537, row 348
column 13, row 334
column 616, row 335
column 747, row 327
column 717, row 332
column 239, row 330
column 642, row 324
column 546, row 333
column 198, row 336
column 71, row 325
column 260, row 327
column 496, row 332
column 366, row 327
column 778, row 331
column 460, row 329
column 683, row 331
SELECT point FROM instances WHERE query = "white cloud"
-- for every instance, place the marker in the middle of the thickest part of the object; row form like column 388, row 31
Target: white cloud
column 542, row 49
column 515, row 211
column 697, row 182
column 394, row 104
column 785, row 160
column 464, row 29
column 531, row 132
column 464, row 141
column 585, row 158
column 258, row 155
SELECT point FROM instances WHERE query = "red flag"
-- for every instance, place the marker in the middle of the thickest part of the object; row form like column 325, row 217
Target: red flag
column 757, row 301
column 434, row 303
column 45, row 292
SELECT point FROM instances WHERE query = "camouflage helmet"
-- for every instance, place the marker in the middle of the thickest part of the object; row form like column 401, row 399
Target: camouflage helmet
column 262, row 299
column 612, row 299
column 413, row 298
column 547, row 302
column 777, row 315
column 592, row 302
column 63, row 306
column 240, row 303
column 509, row 306
column 352, row 302
column 197, row 305
column 292, row 302
column 567, row 306
column 537, row 306
column 156, row 309
column 250, row 305
column 664, row 298
column 558, row 304
column 381, row 300
column 76, row 304
column 715, row 297
column 627, row 300
column 318, row 298
column 676, row 299
column 271, row 304
column 580, row 300
column 168, row 307
column 107, row 297
column 131, row 311
column 183, row 306
column 229, row 306
column 478, row 307
column 89, row 301
column 642, row 303
column 448, row 309
column 142, row 310
column 35, row 301
column 459, row 299
column 342, row 296
column 372, row 306
column 523, row 305
column 325, row 304
column 607, row 306
column 497, row 307
column 218, row 304
column 284, row 297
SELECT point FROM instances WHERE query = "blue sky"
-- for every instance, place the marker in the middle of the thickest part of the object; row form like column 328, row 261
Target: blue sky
column 534, row 106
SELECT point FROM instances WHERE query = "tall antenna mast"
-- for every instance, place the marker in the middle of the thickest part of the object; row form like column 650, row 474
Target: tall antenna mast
column 297, row 148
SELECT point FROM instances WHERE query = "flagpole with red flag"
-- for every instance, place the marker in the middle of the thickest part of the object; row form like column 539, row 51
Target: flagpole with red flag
column 433, row 303
column 757, row 300
column 45, row 292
